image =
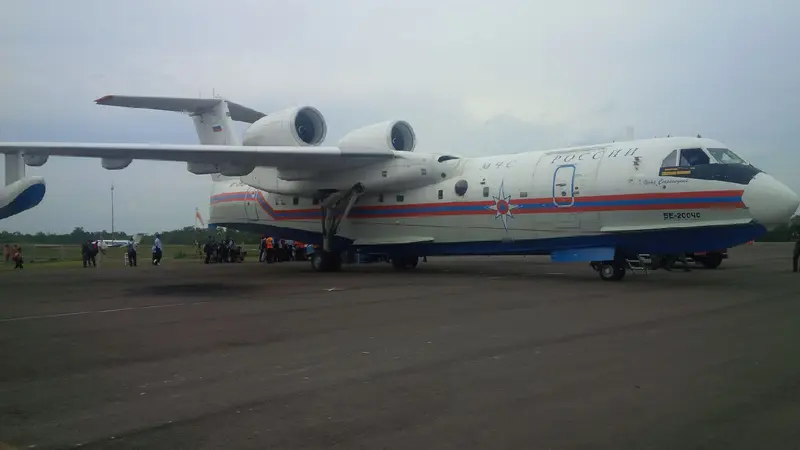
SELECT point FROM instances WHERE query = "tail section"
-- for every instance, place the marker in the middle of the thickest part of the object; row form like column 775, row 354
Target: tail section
column 213, row 119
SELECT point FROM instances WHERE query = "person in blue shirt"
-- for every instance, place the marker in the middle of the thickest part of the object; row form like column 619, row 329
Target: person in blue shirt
column 131, row 253
column 157, row 250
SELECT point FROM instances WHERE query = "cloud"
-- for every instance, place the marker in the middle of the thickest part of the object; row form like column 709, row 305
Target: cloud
column 472, row 78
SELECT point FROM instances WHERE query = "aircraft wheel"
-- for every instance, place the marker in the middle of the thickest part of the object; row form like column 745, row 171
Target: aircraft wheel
column 612, row 271
column 711, row 260
column 405, row 262
column 326, row 261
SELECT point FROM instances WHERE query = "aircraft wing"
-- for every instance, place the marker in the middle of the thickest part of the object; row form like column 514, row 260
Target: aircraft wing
column 300, row 158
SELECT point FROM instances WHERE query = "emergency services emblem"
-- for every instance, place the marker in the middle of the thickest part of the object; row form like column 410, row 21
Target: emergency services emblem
column 502, row 206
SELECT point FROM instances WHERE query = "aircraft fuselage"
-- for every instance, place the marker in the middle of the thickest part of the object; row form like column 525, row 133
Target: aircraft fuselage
column 626, row 195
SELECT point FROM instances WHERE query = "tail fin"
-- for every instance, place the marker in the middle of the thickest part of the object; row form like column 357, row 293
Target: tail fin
column 213, row 120
column 212, row 116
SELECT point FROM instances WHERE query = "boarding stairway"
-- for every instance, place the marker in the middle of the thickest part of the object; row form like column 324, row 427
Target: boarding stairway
column 637, row 265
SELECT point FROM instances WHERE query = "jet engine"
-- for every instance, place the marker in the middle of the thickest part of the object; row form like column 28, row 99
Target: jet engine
column 391, row 135
column 299, row 126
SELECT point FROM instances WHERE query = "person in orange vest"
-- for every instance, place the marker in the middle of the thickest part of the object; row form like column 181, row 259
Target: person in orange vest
column 270, row 249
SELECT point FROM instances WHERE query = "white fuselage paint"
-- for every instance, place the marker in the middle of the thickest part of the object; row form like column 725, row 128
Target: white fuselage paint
column 537, row 195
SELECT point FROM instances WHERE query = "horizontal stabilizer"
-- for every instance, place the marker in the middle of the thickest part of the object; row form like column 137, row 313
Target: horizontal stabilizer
column 238, row 112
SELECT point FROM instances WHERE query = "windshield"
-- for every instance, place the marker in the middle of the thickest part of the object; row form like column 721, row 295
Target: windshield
column 725, row 156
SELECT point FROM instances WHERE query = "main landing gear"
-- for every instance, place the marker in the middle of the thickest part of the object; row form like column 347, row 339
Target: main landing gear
column 615, row 270
column 610, row 270
column 327, row 259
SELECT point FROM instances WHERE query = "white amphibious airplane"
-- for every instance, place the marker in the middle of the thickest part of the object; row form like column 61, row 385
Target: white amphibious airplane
column 605, row 204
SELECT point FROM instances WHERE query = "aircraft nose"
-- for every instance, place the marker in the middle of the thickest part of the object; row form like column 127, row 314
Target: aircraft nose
column 770, row 202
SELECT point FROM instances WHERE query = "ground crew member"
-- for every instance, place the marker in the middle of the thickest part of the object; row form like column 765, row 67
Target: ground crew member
column 18, row 258
column 86, row 254
column 131, row 253
column 262, row 248
column 209, row 248
column 796, row 252
column 93, row 251
column 270, row 249
column 158, row 250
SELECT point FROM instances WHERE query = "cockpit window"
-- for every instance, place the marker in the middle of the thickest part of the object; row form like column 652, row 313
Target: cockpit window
column 725, row 156
column 693, row 157
column 669, row 161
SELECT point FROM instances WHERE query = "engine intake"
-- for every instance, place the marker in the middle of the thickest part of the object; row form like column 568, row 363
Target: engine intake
column 391, row 135
column 299, row 126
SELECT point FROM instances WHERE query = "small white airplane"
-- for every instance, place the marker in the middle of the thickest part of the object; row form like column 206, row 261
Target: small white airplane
column 605, row 204
column 110, row 243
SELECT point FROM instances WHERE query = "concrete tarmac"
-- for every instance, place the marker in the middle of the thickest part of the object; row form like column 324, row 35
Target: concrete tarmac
column 463, row 353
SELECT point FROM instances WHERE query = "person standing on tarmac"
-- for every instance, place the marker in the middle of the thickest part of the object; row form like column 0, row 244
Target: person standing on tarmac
column 131, row 253
column 158, row 250
column 796, row 251
column 262, row 248
column 270, row 250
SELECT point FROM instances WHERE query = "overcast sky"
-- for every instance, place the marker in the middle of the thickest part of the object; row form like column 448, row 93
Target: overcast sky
column 472, row 77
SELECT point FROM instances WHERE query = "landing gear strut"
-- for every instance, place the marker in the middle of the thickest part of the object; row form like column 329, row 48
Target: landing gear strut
column 328, row 259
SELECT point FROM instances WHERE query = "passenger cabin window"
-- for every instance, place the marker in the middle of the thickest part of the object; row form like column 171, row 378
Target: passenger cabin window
column 380, row 198
column 486, row 191
column 295, row 200
column 400, row 198
column 725, row 156
column 441, row 194
column 671, row 160
column 693, row 157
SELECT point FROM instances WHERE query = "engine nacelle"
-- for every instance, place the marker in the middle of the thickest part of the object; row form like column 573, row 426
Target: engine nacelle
column 391, row 135
column 116, row 163
column 235, row 170
column 202, row 168
column 35, row 160
column 300, row 126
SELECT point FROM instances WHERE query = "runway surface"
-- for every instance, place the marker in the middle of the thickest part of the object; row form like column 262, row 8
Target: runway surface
column 500, row 353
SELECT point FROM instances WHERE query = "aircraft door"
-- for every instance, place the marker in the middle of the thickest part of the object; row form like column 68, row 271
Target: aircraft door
column 564, row 186
column 251, row 204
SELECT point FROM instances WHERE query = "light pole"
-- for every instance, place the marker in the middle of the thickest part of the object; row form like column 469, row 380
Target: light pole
column 112, row 211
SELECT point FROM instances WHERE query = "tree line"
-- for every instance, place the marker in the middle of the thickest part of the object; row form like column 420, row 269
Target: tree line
column 183, row 236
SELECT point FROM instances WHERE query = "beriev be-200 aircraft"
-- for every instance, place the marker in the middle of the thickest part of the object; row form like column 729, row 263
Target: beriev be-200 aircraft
column 604, row 204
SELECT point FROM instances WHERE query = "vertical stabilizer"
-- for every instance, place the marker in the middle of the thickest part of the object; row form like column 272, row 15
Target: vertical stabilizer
column 214, row 125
